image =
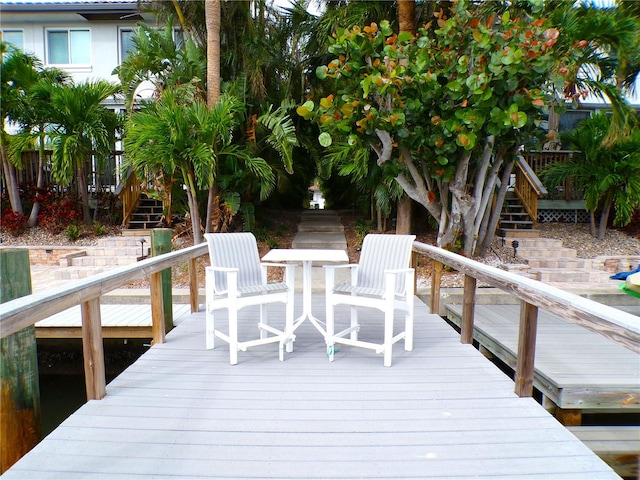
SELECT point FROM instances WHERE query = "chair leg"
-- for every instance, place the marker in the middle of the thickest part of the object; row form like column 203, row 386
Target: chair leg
column 233, row 336
column 210, row 335
column 330, row 330
column 288, row 327
column 354, row 323
column 263, row 320
column 408, row 327
column 388, row 334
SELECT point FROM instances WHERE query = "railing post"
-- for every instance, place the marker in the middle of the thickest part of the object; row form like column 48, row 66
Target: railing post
column 20, row 423
column 193, row 285
column 93, row 350
column 161, row 243
column 525, row 366
column 468, row 309
column 157, row 308
column 436, row 276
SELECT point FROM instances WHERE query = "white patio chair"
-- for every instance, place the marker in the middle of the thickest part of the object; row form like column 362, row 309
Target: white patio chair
column 383, row 280
column 236, row 279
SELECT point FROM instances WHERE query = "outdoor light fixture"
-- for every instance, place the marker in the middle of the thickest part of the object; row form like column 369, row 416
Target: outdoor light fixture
column 515, row 246
column 142, row 242
column 502, row 233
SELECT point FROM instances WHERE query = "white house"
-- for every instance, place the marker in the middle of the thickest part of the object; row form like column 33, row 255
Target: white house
column 87, row 39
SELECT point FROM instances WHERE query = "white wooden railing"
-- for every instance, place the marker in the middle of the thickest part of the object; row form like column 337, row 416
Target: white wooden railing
column 25, row 311
column 618, row 326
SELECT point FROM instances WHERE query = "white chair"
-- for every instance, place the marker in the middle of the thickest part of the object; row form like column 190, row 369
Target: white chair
column 236, row 279
column 383, row 280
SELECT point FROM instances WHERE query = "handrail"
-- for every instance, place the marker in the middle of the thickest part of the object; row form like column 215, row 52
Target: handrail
column 26, row 311
column 617, row 325
column 129, row 191
column 540, row 159
column 528, row 188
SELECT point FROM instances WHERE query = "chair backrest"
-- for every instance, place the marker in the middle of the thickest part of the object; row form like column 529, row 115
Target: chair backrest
column 380, row 253
column 235, row 250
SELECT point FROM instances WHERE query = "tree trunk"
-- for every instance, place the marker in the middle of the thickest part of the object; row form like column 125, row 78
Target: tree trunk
column 604, row 220
column 212, row 19
column 403, row 220
column 12, row 183
column 35, row 209
column 407, row 15
column 83, row 191
column 407, row 23
column 193, row 207
column 484, row 242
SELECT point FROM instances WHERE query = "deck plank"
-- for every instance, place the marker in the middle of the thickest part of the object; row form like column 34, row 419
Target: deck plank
column 574, row 367
column 441, row 411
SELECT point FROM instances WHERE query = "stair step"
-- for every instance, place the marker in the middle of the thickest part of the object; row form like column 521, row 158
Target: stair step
column 574, row 263
column 122, row 242
column 74, row 273
column 102, row 261
column 564, row 275
column 515, row 224
column 519, row 233
column 533, row 252
column 327, row 240
column 540, row 242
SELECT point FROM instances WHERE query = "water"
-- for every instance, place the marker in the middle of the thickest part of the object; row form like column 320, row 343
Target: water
column 62, row 386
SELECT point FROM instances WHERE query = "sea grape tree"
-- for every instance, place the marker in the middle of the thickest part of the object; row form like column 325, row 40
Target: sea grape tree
column 447, row 108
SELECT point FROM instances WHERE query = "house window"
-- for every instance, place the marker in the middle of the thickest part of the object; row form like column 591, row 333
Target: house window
column 69, row 47
column 14, row 38
column 126, row 43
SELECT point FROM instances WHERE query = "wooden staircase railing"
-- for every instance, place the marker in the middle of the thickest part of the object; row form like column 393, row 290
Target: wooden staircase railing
column 538, row 160
column 129, row 192
column 528, row 188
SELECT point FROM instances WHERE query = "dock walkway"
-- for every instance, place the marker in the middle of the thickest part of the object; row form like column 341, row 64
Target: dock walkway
column 575, row 368
column 442, row 411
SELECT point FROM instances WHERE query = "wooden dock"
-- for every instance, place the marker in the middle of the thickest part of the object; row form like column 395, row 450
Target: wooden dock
column 441, row 411
column 575, row 368
column 118, row 321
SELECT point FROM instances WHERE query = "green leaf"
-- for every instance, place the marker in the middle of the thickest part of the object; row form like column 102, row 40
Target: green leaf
column 325, row 139
column 404, row 37
column 321, row 72
column 385, row 28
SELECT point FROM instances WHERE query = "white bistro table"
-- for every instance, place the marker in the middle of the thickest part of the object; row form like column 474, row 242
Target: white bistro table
column 306, row 256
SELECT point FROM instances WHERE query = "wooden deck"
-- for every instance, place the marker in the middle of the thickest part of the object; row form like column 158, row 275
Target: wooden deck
column 118, row 321
column 441, row 411
column 575, row 367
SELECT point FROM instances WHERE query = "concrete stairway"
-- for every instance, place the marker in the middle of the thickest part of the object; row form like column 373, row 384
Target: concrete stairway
column 320, row 229
column 108, row 253
column 548, row 261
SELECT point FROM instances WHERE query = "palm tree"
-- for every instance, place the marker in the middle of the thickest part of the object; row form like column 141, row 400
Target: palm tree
column 179, row 135
column 34, row 121
column 82, row 126
column 19, row 71
column 158, row 59
column 609, row 174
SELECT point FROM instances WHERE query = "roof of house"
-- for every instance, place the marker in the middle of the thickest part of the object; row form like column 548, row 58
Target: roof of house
column 89, row 9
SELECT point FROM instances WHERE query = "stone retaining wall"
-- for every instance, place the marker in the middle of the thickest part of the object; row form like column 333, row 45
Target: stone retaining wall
column 52, row 255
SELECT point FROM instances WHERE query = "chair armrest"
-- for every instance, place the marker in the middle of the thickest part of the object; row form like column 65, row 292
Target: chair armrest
column 222, row 269
column 330, row 274
column 289, row 272
column 232, row 280
column 396, row 271
column 343, row 265
column 391, row 280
